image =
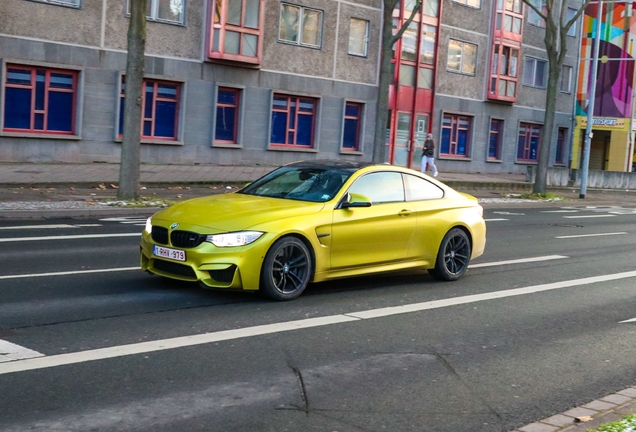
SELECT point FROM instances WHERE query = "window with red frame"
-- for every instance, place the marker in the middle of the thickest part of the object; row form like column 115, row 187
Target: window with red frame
column 560, row 146
column 293, row 120
column 39, row 100
column 509, row 16
column 352, row 123
column 455, row 140
column 494, row 141
column 503, row 78
column 227, row 115
column 160, row 110
column 236, row 30
column 528, row 143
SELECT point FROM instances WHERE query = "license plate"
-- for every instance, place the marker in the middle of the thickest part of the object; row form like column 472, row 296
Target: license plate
column 173, row 254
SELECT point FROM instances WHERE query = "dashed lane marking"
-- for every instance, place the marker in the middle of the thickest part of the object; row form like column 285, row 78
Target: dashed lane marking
column 240, row 333
column 495, row 220
column 518, row 261
column 71, row 272
column 589, row 216
column 69, row 237
column 591, row 235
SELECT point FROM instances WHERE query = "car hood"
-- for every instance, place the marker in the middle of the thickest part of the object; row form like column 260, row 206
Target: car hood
column 232, row 212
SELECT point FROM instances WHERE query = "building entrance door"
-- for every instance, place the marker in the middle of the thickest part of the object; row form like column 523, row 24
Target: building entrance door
column 419, row 136
column 402, row 144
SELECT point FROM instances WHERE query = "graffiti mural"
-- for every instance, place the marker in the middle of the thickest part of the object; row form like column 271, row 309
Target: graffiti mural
column 615, row 75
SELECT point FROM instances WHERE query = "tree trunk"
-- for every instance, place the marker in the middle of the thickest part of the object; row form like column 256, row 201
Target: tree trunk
column 130, row 146
column 386, row 76
column 545, row 144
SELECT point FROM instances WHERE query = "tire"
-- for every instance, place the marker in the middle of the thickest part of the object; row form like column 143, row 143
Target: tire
column 286, row 270
column 453, row 256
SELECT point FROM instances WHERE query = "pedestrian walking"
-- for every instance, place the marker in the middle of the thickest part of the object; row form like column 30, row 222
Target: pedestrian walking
column 428, row 154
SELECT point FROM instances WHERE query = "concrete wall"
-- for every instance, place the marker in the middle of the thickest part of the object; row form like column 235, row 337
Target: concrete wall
column 563, row 177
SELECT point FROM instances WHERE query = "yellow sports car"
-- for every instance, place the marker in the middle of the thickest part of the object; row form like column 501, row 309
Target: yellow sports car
column 315, row 221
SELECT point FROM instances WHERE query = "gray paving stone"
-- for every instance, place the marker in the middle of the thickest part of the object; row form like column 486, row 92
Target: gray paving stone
column 559, row 420
column 600, row 405
column 580, row 412
column 616, row 399
column 539, row 427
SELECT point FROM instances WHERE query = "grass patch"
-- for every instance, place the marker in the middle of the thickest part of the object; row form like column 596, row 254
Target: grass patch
column 627, row 424
column 140, row 203
column 548, row 196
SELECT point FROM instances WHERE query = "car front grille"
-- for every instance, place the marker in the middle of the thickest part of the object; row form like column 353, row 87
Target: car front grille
column 174, row 268
column 225, row 276
column 186, row 239
column 160, row 234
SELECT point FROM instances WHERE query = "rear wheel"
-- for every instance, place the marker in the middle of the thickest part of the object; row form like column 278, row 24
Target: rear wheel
column 286, row 269
column 453, row 256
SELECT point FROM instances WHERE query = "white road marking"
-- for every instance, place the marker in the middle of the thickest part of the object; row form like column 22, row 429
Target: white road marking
column 495, row 220
column 589, row 216
column 626, row 321
column 508, row 213
column 88, row 225
column 65, row 273
column 206, row 338
column 11, row 352
column 69, row 237
column 21, row 227
column 591, row 235
column 559, row 211
column 518, row 261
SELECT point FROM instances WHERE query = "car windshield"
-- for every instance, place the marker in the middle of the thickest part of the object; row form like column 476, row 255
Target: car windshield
column 302, row 183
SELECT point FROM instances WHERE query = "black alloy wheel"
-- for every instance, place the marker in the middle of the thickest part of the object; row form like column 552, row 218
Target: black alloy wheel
column 453, row 256
column 286, row 269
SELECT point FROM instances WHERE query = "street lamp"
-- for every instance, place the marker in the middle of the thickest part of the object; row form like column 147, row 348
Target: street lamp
column 590, row 106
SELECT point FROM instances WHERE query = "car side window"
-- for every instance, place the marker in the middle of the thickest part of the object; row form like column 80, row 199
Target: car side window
column 418, row 189
column 380, row 187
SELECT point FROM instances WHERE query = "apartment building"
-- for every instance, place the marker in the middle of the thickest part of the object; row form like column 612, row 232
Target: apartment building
column 226, row 81
column 474, row 73
column 273, row 81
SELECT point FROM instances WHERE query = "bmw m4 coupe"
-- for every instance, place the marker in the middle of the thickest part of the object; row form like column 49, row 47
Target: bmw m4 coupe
column 315, row 221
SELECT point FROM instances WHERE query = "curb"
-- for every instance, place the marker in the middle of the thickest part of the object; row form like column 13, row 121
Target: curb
column 607, row 409
column 76, row 213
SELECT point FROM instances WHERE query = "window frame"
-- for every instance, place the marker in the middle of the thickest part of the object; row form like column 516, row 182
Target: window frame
column 314, row 123
column 461, row 59
column 562, row 79
column 154, row 13
column 527, row 142
column 496, row 75
column 301, row 23
column 562, row 136
column 499, row 140
column 366, row 37
column 569, row 14
column 465, row 3
column 533, row 18
column 359, row 127
column 77, row 3
column 454, row 127
column 49, row 69
column 152, row 139
column 222, row 26
column 238, row 116
column 536, row 61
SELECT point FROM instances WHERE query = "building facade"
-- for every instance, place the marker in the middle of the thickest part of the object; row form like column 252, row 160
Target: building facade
column 474, row 73
column 273, row 81
column 226, row 81
column 612, row 143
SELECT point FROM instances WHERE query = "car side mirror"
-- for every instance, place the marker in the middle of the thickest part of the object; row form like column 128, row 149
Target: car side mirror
column 352, row 200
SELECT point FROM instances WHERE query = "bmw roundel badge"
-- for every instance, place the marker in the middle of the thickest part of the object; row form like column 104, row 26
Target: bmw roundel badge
column 174, row 225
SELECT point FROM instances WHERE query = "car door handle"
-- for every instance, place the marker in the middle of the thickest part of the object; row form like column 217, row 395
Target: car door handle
column 405, row 213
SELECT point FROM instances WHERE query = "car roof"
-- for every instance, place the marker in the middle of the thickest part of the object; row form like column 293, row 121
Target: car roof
column 332, row 163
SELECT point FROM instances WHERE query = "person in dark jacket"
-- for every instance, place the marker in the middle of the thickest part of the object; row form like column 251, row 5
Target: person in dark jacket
column 428, row 154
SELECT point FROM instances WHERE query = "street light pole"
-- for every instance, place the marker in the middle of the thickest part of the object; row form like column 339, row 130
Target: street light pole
column 590, row 106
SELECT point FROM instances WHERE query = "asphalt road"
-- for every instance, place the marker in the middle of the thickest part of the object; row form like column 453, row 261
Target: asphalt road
column 533, row 328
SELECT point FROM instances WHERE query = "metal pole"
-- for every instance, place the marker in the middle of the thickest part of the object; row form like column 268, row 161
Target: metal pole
column 590, row 106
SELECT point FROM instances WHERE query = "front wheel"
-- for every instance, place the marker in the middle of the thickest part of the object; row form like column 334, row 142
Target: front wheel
column 286, row 269
column 453, row 256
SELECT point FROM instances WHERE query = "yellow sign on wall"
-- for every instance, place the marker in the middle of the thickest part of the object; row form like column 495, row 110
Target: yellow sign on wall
column 604, row 122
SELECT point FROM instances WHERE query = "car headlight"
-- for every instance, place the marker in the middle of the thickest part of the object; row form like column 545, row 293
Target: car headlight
column 148, row 227
column 241, row 238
